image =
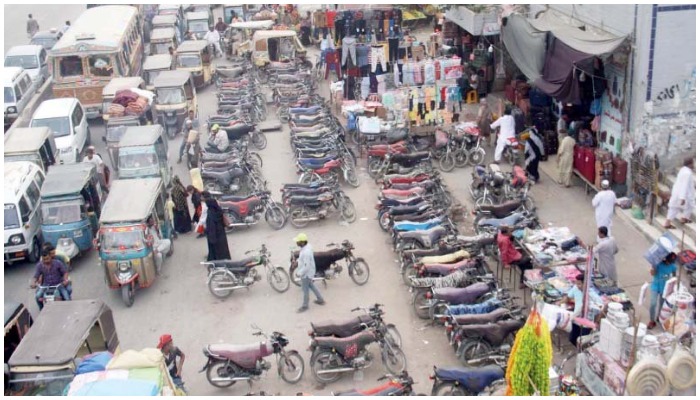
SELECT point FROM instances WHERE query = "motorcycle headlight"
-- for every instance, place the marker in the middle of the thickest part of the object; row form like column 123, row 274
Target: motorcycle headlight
column 11, row 110
column 16, row 239
column 123, row 266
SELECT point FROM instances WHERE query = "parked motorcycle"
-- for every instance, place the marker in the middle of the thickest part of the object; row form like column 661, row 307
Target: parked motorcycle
column 401, row 385
column 327, row 266
column 249, row 210
column 226, row 276
column 477, row 340
column 228, row 364
column 467, row 381
column 371, row 319
column 304, row 209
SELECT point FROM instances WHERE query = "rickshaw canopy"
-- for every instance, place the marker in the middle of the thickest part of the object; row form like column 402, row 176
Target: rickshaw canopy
column 66, row 179
column 12, row 309
column 60, row 330
column 130, row 200
column 144, row 135
column 167, row 19
column 197, row 15
column 117, row 84
column 157, row 61
column 162, row 33
column 264, row 35
column 192, row 46
column 171, row 78
column 26, row 140
column 262, row 25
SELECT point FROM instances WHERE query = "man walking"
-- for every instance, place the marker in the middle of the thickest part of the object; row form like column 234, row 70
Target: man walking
column 682, row 200
column 32, row 26
column 306, row 271
column 565, row 159
column 604, row 203
column 507, row 125
column 604, row 252
column 534, row 149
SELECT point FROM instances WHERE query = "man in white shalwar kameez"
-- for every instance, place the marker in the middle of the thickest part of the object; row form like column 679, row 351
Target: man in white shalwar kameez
column 682, row 200
column 604, row 204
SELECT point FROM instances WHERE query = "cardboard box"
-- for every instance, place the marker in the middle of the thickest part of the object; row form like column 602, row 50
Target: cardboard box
column 381, row 112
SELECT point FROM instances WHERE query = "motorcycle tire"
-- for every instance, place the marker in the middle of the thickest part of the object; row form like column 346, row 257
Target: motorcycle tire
column 276, row 217
column 446, row 163
column 408, row 273
column 393, row 336
column 259, row 140
column 278, row 280
column 295, row 279
column 461, row 158
column 220, row 278
column 325, row 357
column 421, row 305
column 128, row 295
column 220, row 369
column 374, row 168
column 351, row 177
column 476, row 156
column 297, row 216
column 448, row 389
column 347, row 211
column 471, row 349
column 354, row 136
column 359, row 271
column 384, row 220
column 437, row 308
column 293, row 362
column 394, row 360
column 484, row 201
column 255, row 160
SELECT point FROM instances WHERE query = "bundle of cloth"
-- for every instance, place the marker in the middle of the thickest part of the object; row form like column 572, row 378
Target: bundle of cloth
column 130, row 102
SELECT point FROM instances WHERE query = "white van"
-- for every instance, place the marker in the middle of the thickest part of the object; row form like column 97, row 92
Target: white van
column 66, row 119
column 30, row 57
column 23, row 181
column 19, row 89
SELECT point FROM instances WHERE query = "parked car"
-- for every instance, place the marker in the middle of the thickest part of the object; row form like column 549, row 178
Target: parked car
column 19, row 89
column 66, row 119
column 30, row 57
column 46, row 39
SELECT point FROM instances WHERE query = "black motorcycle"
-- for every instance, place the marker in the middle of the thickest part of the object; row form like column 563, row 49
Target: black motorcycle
column 346, row 328
column 327, row 266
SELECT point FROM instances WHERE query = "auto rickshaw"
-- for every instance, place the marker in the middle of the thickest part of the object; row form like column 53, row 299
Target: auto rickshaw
column 238, row 33
column 276, row 46
column 71, row 203
column 130, row 255
column 175, row 97
column 31, row 144
column 143, row 153
column 65, row 332
column 167, row 21
column 17, row 324
column 198, row 23
column 153, row 65
column 177, row 11
column 194, row 56
column 162, row 39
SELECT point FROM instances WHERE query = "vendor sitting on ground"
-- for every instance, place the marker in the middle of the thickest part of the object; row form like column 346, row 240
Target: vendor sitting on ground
column 510, row 256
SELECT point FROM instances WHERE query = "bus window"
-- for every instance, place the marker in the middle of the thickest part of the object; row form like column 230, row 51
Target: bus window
column 71, row 66
column 100, row 65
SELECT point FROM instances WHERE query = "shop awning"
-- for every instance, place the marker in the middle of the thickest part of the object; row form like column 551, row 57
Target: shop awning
column 570, row 32
column 478, row 24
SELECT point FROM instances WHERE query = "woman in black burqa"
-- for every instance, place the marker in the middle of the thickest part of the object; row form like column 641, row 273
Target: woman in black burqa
column 216, row 232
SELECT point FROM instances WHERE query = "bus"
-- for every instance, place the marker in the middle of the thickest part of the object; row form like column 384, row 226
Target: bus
column 103, row 43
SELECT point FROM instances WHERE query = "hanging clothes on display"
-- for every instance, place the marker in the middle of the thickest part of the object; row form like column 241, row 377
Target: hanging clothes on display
column 377, row 56
column 349, row 47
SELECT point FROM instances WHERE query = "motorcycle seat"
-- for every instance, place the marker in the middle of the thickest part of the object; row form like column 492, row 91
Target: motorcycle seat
column 235, row 265
column 348, row 346
column 235, row 132
column 500, row 210
column 493, row 332
column 399, row 210
column 241, row 207
column 462, row 295
column 410, row 158
column 304, row 110
column 305, row 200
column 314, row 185
column 232, row 198
column 492, row 316
column 219, row 169
column 479, row 308
column 389, row 202
column 244, row 355
column 433, row 233
column 445, row 269
column 344, row 328
column 307, row 192
column 397, row 192
column 416, row 226
column 497, row 222
column 316, row 162
column 474, row 379
column 445, row 258
column 482, row 240
column 385, row 390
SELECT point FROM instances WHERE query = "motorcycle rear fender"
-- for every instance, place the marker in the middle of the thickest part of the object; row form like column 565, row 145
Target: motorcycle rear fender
column 212, row 270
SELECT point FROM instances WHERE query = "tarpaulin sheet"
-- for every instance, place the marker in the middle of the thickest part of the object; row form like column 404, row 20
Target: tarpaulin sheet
column 558, row 78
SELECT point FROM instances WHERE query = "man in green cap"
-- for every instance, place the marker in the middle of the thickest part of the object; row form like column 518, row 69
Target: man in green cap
column 306, row 271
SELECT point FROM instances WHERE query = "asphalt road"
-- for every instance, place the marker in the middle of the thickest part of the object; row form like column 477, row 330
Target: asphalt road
column 47, row 15
column 179, row 302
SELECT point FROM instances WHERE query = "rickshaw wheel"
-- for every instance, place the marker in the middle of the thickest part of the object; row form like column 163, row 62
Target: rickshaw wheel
column 128, row 295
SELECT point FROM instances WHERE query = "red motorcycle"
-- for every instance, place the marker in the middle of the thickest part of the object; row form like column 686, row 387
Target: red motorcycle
column 401, row 385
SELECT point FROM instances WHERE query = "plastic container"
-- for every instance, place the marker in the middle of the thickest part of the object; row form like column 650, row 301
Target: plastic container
column 660, row 249
column 628, row 341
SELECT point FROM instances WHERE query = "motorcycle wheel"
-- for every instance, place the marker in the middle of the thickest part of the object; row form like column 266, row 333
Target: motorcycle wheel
column 438, row 308
column 295, row 280
column 255, row 160
column 529, row 204
column 128, row 295
column 475, row 191
column 461, row 158
column 384, row 221
column 408, row 273
column 290, row 367
column 278, row 279
column 276, row 217
column 219, row 369
column 354, row 136
column 323, row 359
column 351, row 178
column 448, row 389
column 472, row 349
column 421, row 305
column 220, row 278
column 297, row 217
column 359, row 271
column 394, row 360
column 446, row 163
column 393, row 336
column 374, row 168
column 259, row 140
column 347, row 211
column 484, row 201
column 476, row 156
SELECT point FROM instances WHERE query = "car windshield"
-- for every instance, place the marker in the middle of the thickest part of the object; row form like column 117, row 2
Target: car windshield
column 138, row 161
column 26, row 62
column 188, row 60
column 170, row 95
column 11, row 216
column 60, row 126
column 62, row 212
column 9, row 95
column 130, row 238
column 198, row 26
